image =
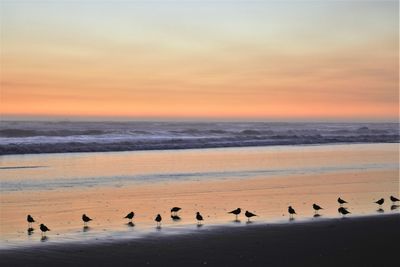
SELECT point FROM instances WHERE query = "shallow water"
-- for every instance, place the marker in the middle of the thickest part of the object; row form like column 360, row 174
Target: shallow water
column 57, row 188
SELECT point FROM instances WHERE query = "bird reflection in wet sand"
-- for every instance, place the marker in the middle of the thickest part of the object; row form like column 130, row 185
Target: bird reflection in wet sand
column 394, row 207
column 316, row 215
column 44, row 238
column 30, row 230
column 343, row 211
column 380, row 210
column 86, row 228
column 130, row 224
column 175, row 218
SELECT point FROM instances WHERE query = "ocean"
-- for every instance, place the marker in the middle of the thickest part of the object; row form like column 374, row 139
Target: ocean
column 28, row 137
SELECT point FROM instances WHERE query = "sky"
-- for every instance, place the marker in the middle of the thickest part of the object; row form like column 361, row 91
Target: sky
column 251, row 60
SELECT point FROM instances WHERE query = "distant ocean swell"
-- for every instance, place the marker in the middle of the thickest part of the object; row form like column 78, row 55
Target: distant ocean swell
column 62, row 137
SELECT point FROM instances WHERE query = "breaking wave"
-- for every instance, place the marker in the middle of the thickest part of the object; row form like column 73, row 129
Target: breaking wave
column 18, row 137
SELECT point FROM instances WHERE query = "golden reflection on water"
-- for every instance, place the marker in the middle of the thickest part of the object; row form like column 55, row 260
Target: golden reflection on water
column 266, row 196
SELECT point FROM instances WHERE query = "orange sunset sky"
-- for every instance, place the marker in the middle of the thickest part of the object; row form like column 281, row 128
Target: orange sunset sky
column 281, row 60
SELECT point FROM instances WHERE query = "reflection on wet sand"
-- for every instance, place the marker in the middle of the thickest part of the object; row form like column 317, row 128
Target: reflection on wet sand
column 30, row 231
column 175, row 218
column 269, row 195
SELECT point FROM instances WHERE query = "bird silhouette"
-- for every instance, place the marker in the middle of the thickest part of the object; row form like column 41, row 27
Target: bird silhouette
column 199, row 218
column 85, row 219
column 236, row 212
column 44, row 229
column 380, row 202
column 291, row 212
column 248, row 214
column 175, row 210
column 341, row 201
column 394, row 199
column 30, row 220
column 158, row 219
column 343, row 211
column 316, row 208
column 130, row 216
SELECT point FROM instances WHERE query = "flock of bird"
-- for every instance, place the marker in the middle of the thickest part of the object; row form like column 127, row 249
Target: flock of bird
column 174, row 214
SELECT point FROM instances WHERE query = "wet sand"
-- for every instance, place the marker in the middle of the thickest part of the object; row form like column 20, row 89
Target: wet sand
column 357, row 241
column 253, row 179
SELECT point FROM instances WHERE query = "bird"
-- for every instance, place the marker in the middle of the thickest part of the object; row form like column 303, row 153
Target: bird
column 343, row 211
column 44, row 229
column 236, row 212
column 248, row 214
column 316, row 208
column 175, row 210
column 30, row 220
column 130, row 216
column 158, row 220
column 394, row 199
column 199, row 218
column 85, row 219
column 341, row 201
column 291, row 212
column 380, row 202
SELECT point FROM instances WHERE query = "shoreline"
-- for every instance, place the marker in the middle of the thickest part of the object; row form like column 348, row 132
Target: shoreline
column 353, row 241
column 13, row 150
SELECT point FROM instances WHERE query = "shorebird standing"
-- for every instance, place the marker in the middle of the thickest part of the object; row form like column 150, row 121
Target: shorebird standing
column 343, row 211
column 174, row 210
column 30, row 220
column 248, row 214
column 236, row 212
column 158, row 220
column 130, row 216
column 394, row 199
column 199, row 218
column 44, row 229
column 341, row 201
column 380, row 202
column 291, row 212
column 316, row 208
column 85, row 219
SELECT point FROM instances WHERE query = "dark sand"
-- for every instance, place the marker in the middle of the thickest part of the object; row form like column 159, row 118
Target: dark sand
column 357, row 241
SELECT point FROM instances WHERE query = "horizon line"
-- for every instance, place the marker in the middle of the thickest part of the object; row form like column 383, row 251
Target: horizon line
column 58, row 118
